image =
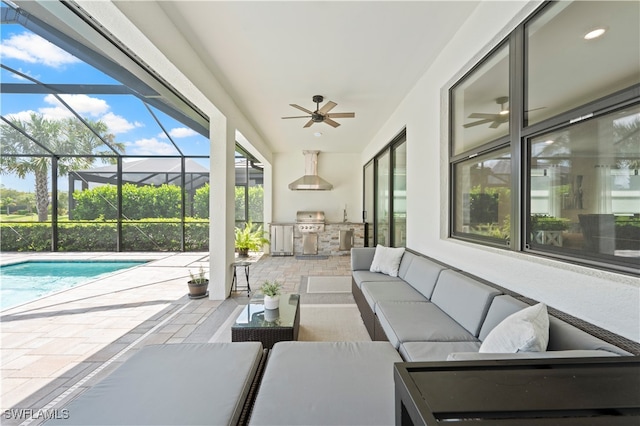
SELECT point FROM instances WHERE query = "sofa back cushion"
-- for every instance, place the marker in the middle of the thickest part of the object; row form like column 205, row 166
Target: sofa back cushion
column 564, row 336
column 501, row 307
column 361, row 258
column 422, row 275
column 463, row 299
column 407, row 260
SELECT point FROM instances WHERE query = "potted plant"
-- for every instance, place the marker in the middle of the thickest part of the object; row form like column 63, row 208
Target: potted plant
column 271, row 291
column 249, row 238
column 198, row 284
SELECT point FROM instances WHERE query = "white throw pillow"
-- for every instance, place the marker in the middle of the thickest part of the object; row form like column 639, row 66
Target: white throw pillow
column 524, row 331
column 387, row 260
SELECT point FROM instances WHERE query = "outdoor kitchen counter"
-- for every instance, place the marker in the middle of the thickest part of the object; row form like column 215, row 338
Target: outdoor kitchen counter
column 329, row 239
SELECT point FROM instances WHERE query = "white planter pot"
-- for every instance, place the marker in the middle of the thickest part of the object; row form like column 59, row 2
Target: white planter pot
column 271, row 302
column 271, row 315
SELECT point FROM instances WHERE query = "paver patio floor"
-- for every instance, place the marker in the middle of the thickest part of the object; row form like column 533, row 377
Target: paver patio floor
column 57, row 346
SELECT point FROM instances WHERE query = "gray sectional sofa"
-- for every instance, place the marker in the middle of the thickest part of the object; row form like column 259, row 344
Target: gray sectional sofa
column 432, row 312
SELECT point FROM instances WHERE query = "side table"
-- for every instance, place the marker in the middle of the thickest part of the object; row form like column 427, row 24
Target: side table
column 234, row 280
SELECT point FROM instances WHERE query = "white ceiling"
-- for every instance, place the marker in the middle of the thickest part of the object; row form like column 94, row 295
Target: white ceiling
column 363, row 55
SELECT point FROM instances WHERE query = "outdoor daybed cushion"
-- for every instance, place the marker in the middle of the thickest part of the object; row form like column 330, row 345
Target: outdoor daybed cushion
column 327, row 383
column 177, row 384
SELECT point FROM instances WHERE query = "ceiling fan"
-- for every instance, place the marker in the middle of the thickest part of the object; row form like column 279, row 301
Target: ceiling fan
column 495, row 119
column 322, row 115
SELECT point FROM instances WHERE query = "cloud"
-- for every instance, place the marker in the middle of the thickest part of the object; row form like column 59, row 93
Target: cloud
column 82, row 104
column 118, row 124
column 22, row 115
column 150, row 147
column 182, row 132
column 178, row 132
column 36, row 50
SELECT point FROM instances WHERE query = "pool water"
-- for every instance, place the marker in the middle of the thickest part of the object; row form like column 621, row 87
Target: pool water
column 26, row 281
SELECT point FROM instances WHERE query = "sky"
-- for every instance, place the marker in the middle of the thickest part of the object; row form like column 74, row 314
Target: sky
column 125, row 115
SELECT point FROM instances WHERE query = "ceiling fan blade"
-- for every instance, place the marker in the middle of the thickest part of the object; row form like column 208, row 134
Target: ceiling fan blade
column 477, row 123
column 341, row 115
column 309, row 123
column 496, row 124
column 299, row 116
column 301, row 108
column 483, row 115
column 330, row 122
column 327, row 107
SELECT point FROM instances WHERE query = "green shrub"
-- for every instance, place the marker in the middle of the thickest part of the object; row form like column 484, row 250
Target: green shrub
column 138, row 202
column 144, row 235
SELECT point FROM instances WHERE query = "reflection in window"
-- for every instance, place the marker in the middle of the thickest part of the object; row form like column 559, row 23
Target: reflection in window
column 480, row 104
column 483, row 200
column 400, row 195
column 585, row 187
column 382, row 199
column 566, row 68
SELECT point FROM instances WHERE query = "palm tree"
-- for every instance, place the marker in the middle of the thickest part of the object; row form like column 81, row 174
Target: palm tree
column 74, row 144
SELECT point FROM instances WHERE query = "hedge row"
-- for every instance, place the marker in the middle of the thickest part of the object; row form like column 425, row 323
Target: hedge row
column 148, row 235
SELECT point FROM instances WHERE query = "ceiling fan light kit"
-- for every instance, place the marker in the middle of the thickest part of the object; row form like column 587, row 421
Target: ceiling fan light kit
column 321, row 115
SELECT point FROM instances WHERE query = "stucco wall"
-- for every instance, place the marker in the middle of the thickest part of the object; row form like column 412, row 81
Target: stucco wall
column 609, row 300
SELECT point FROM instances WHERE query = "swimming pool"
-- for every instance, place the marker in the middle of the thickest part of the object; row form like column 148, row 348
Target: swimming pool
column 26, row 281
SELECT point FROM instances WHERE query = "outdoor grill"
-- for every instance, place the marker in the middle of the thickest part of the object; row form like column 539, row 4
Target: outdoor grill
column 309, row 224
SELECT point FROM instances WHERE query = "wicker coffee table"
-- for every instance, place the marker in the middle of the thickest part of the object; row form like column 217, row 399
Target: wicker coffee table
column 269, row 326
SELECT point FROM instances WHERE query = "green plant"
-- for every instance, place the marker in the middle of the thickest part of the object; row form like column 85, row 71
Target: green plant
column 271, row 288
column 250, row 237
column 548, row 223
column 198, row 278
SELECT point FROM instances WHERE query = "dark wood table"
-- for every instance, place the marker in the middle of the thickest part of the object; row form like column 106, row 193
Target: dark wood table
column 570, row 391
column 269, row 326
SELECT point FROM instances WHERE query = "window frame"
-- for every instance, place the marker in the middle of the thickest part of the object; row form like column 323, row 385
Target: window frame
column 518, row 140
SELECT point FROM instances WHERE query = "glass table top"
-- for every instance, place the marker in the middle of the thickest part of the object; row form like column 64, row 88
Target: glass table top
column 255, row 315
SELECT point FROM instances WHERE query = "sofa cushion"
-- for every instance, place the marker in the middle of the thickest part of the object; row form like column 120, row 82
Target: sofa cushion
column 361, row 258
column 185, row 384
column 463, row 299
column 422, row 274
column 365, row 276
column 524, row 331
column 564, row 336
column 379, row 291
column 501, row 307
column 327, row 383
column 434, row 351
column 476, row 356
column 418, row 321
column 407, row 259
column 387, row 260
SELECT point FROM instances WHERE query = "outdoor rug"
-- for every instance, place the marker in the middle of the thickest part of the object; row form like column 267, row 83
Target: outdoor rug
column 318, row 323
column 328, row 284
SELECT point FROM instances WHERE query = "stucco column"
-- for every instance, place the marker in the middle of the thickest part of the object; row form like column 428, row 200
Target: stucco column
column 221, row 206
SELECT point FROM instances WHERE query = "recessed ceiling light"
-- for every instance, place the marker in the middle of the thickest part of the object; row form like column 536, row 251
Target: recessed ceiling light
column 317, row 134
column 595, row 33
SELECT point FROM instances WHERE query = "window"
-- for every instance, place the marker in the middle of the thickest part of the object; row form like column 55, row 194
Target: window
column 552, row 169
column 483, row 201
column 385, row 194
column 585, row 188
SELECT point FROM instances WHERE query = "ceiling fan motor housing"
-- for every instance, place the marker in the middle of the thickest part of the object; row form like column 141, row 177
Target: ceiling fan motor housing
column 317, row 118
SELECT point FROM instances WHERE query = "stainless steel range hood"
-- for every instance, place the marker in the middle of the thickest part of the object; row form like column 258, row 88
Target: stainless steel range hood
column 310, row 181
